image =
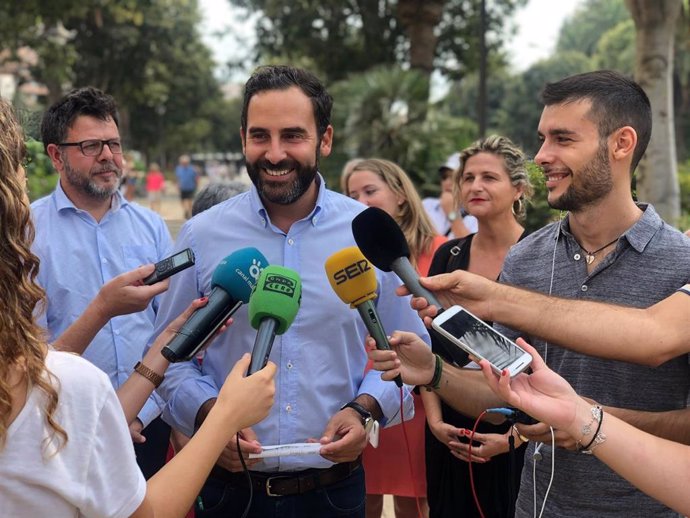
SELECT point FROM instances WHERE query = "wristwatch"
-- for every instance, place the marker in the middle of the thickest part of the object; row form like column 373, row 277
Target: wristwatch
column 367, row 419
column 452, row 216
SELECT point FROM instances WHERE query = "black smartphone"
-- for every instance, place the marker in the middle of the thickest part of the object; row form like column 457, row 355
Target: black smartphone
column 170, row 266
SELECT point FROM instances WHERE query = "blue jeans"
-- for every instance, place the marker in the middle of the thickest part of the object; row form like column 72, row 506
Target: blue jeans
column 344, row 499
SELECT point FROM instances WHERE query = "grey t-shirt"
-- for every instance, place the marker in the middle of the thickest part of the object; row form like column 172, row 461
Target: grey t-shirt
column 650, row 262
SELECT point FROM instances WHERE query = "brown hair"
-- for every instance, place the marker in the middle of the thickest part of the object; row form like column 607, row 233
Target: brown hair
column 22, row 345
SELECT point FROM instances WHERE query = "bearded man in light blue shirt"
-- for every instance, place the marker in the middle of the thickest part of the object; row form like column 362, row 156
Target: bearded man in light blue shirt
column 292, row 218
column 86, row 234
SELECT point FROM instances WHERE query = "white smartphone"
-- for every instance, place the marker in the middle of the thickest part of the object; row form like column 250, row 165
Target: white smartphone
column 482, row 341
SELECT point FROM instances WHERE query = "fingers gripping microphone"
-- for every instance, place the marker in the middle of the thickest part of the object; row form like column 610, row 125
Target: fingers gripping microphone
column 353, row 279
column 382, row 242
column 273, row 307
column 231, row 285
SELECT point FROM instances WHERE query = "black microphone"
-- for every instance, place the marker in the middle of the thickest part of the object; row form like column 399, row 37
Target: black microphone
column 273, row 306
column 232, row 283
column 382, row 241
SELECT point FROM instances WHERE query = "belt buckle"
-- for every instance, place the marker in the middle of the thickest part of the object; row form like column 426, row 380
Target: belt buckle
column 268, row 485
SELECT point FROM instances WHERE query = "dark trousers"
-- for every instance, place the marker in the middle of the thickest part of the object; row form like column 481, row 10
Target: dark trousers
column 151, row 454
column 344, row 499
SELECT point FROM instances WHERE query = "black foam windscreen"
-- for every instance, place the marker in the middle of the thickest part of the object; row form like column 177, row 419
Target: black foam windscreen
column 379, row 238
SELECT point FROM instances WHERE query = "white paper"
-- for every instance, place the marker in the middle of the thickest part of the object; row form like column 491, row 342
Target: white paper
column 297, row 448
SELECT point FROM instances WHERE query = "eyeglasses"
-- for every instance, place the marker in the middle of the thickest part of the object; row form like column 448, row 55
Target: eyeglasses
column 95, row 147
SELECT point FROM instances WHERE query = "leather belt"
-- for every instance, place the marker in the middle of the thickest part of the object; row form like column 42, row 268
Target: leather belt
column 284, row 483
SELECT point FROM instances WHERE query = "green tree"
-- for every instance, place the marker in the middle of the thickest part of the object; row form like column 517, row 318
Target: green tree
column 377, row 114
column 148, row 55
column 350, row 36
column 583, row 30
column 657, row 174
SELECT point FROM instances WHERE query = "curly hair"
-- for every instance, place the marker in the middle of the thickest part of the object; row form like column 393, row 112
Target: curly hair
column 514, row 162
column 22, row 342
column 413, row 220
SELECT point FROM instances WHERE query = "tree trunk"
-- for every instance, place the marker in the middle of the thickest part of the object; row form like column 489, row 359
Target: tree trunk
column 419, row 19
column 483, row 69
column 655, row 21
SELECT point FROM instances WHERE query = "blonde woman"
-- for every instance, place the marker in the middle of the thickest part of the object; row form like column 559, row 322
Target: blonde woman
column 383, row 184
column 492, row 184
column 65, row 448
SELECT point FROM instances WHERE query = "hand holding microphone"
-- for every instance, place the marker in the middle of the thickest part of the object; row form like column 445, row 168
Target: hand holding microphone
column 232, row 283
column 382, row 242
column 353, row 279
column 273, row 306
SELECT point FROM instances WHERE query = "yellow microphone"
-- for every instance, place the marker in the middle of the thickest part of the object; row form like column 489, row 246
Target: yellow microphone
column 353, row 279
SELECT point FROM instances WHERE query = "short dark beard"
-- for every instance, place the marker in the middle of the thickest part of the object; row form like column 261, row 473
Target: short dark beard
column 86, row 186
column 280, row 194
column 589, row 185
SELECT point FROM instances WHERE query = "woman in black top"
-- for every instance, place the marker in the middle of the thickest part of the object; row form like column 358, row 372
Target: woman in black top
column 491, row 184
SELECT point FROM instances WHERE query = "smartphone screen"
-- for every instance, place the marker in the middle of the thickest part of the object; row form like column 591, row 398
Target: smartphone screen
column 482, row 340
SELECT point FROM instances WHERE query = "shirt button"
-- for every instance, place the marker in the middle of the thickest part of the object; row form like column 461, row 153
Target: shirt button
column 289, row 365
column 117, row 333
column 291, row 241
column 584, row 287
column 104, row 260
column 263, row 221
column 576, row 257
column 288, row 408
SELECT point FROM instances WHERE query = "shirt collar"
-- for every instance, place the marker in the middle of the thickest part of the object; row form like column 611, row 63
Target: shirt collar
column 640, row 234
column 63, row 202
column 259, row 209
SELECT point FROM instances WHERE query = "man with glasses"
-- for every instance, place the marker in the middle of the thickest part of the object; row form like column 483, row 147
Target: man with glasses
column 86, row 234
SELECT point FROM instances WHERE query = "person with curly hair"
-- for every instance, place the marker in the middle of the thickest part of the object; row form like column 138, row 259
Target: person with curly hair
column 62, row 428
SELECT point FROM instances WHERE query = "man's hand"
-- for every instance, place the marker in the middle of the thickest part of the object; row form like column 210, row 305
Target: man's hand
column 135, row 429
column 127, row 293
column 344, row 438
column 410, row 357
column 469, row 290
column 249, row 443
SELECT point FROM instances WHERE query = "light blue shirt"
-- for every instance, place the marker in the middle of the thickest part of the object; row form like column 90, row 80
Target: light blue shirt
column 78, row 255
column 321, row 358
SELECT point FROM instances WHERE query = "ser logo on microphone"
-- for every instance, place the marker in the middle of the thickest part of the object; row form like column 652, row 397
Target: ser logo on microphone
column 351, row 271
column 280, row 284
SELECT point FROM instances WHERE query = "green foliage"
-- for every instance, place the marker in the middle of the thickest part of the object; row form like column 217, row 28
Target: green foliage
column 583, row 30
column 518, row 116
column 41, row 177
column 684, row 180
column 538, row 211
column 352, row 36
column 377, row 114
column 148, row 55
column 616, row 48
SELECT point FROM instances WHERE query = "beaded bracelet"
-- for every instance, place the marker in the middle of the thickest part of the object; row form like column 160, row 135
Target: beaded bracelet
column 435, row 382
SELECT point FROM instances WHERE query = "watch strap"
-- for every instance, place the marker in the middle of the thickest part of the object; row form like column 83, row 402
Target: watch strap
column 363, row 412
column 149, row 374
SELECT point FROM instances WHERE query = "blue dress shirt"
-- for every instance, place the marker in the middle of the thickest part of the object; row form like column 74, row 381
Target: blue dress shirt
column 321, row 358
column 78, row 255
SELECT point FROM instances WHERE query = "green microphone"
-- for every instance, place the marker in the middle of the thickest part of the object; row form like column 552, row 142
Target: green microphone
column 273, row 307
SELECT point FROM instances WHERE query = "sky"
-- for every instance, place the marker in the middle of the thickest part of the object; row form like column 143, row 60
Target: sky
column 538, row 24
